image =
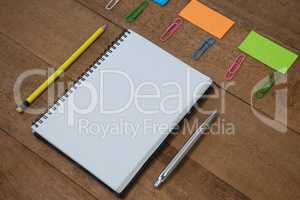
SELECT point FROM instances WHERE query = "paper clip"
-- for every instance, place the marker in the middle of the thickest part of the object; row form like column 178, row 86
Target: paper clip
column 133, row 15
column 172, row 28
column 234, row 67
column 161, row 2
column 265, row 87
column 111, row 4
column 205, row 46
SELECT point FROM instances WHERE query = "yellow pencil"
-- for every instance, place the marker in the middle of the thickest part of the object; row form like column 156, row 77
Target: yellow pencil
column 60, row 70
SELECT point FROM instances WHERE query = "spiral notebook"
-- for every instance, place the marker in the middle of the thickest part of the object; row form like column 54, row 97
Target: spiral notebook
column 121, row 109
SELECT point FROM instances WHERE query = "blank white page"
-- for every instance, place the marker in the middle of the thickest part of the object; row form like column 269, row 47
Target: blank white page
column 114, row 119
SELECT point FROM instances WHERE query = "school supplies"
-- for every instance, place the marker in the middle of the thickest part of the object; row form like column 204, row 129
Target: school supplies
column 204, row 47
column 60, row 70
column 185, row 149
column 161, row 2
column 121, row 109
column 265, row 86
column 206, row 18
column 268, row 52
column 133, row 15
column 111, row 4
column 234, row 67
column 172, row 28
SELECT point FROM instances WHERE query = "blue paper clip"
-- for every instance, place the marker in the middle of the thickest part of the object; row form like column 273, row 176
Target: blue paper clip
column 161, row 2
column 205, row 46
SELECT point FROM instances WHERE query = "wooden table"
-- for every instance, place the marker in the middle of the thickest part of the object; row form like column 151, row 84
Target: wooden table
column 256, row 162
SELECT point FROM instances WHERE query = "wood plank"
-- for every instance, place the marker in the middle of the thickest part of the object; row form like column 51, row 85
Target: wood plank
column 54, row 31
column 24, row 175
column 241, row 150
column 226, row 170
column 155, row 19
column 19, row 127
column 19, row 60
column 190, row 180
column 265, row 16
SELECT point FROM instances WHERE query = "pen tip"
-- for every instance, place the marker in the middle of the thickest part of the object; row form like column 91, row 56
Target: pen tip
column 157, row 183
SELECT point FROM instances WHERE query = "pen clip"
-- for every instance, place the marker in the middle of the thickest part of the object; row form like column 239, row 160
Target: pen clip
column 234, row 67
column 171, row 29
column 133, row 15
column 265, row 87
column 111, row 4
column 205, row 46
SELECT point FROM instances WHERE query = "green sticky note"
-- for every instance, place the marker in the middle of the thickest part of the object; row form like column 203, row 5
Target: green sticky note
column 268, row 52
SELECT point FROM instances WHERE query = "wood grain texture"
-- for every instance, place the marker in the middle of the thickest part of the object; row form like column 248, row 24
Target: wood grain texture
column 241, row 150
column 155, row 19
column 23, row 175
column 19, row 59
column 267, row 16
column 258, row 161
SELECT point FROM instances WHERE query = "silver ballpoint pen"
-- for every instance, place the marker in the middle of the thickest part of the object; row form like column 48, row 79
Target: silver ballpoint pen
column 185, row 149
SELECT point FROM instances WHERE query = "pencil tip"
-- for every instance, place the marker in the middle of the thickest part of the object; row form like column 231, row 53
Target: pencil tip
column 105, row 26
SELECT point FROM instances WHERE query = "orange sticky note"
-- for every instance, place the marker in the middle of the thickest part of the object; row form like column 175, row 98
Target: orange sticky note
column 206, row 18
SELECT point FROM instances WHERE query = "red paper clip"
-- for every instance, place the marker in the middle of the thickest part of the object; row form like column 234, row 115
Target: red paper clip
column 234, row 67
column 172, row 28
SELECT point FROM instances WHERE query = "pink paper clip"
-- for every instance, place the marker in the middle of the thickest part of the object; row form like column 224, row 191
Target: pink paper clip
column 234, row 67
column 172, row 28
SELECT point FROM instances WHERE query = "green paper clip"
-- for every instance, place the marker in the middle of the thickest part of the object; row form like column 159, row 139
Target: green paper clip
column 265, row 87
column 133, row 15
